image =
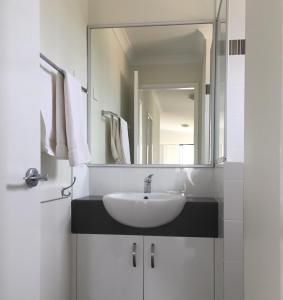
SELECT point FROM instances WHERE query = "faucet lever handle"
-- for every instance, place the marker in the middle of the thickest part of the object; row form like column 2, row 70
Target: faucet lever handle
column 148, row 178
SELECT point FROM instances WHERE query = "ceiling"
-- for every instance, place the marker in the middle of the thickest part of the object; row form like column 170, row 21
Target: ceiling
column 176, row 108
column 164, row 44
column 183, row 43
column 136, row 11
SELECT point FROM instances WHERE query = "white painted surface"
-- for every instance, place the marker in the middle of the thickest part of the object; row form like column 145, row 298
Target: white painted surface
column 63, row 40
column 57, row 251
column 236, row 17
column 20, row 141
column 263, row 160
column 196, row 182
column 170, row 73
column 233, row 168
column 233, row 231
column 111, row 90
column 184, row 268
column 129, row 11
column 235, row 108
column 105, row 267
column 218, row 179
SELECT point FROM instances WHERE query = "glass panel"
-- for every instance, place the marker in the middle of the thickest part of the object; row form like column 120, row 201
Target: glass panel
column 220, row 99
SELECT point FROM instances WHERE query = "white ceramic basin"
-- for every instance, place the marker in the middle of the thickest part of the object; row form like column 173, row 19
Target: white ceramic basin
column 144, row 210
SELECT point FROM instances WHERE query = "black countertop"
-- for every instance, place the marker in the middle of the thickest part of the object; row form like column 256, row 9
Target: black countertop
column 199, row 218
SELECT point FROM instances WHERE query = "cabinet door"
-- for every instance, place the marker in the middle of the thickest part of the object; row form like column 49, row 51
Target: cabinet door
column 177, row 268
column 106, row 267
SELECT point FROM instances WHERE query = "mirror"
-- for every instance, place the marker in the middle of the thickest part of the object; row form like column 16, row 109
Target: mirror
column 220, row 86
column 150, row 100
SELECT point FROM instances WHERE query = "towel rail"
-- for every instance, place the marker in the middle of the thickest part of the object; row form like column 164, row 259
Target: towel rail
column 54, row 66
column 108, row 112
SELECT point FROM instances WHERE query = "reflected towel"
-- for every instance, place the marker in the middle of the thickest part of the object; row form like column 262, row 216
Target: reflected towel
column 115, row 139
column 78, row 151
column 125, row 146
column 61, row 135
column 47, row 109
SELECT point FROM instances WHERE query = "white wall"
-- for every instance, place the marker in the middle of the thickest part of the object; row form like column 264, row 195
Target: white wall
column 170, row 73
column 263, row 141
column 134, row 11
column 111, row 89
column 150, row 106
column 63, row 32
column 233, row 168
column 197, row 182
column 63, row 40
column 235, row 85
column 218, row 184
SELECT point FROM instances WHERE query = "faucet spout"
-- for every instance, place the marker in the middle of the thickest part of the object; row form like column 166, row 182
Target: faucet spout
column 147, row 183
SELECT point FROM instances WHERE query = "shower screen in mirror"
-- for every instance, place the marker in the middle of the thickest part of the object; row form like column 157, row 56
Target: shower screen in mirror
column 149, row 100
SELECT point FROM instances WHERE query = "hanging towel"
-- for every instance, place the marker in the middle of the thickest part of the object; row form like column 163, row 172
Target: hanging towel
column 114, row 138
column 47, row 109
column 78, row 151
column 124, row 136
column 61, row 135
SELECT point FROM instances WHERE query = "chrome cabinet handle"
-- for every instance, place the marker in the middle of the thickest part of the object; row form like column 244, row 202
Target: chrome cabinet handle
column 152, row 254
column 32, row 177
column 134, row 253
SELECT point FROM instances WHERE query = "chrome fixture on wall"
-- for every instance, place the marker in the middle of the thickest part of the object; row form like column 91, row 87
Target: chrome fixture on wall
column 63, row 191
column 32, row 177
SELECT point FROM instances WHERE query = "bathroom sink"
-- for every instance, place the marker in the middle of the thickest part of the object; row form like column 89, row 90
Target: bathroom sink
column 144, row 209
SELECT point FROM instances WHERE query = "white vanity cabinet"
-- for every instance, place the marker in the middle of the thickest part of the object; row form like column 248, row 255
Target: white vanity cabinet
column 106, row 267
column 111, row 267
column 177, row 268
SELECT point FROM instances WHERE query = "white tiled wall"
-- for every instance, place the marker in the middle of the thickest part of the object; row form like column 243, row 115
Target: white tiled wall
column 197, row 182
column 233, row 168
column 219, row 243
column 233, row 231
column 235, row 108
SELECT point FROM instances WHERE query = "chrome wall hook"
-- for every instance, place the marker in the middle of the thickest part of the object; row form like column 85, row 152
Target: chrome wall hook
column 63, row 191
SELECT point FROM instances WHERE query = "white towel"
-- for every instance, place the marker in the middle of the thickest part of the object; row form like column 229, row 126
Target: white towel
column 47, row 109
column 114, row 138
column 61, row 135
column 120, row 141
column 78, row 151
column 124, row 136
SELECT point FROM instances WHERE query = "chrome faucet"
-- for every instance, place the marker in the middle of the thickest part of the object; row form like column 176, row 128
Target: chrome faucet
column 147, row 183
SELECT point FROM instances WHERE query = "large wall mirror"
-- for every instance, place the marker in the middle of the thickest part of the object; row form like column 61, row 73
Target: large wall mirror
column 150, row 99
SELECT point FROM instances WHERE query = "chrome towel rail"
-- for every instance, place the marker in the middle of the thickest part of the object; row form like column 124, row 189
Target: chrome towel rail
column 54, row 66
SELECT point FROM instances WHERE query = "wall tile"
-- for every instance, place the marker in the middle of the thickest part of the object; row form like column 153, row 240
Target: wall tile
column 233, row 242
column 233, row 280
column 81, row 187
column 197, row 182
column 104, row 180
column 236, row 17
column 219, row 269
column 236, row 70
column 233, row 171
column 233, row 195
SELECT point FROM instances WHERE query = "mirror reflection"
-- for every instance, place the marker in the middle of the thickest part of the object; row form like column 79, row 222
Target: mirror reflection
column 150, row 100
column 220, row 88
